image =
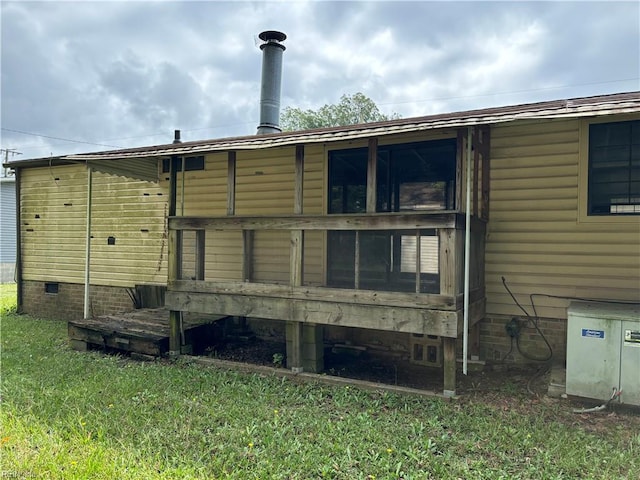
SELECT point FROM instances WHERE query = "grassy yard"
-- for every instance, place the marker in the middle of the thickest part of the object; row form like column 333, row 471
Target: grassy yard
column 72, row 415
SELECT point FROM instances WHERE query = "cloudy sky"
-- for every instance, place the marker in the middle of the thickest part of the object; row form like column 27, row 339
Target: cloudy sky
column 87, row 76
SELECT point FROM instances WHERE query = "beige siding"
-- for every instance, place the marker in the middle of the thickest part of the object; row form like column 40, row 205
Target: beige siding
column 536, row 238
column 52, row 223
column 53, row 245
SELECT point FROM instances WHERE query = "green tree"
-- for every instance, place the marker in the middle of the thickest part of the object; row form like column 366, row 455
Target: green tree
column 352, row 109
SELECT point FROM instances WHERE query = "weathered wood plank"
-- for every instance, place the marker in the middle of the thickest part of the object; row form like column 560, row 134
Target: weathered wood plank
column 449, row 360
column 338, row 295
column 399, row 319
column 296, row 258
column 247, row 255
column 231, row 183
column 372, row 175
column 200, row 254
column 372, row 221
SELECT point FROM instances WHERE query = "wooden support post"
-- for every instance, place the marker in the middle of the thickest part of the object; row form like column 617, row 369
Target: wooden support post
column 175, row 336
column 356, row 262
column 247, row 255
column 372, row 175
column 486, row 139
column 476, row 170
column 296, row 362
column 294, row 356
column 175, row 258
column 200, row 254
column 450, row 261
column 231, row 183
column 449, row 360
column 418, row 261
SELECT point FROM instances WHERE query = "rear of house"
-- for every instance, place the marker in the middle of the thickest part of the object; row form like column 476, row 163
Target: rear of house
column 355, row 235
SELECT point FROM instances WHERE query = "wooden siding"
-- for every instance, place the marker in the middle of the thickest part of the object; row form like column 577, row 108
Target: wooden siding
column 536, row 238
column 53, row 245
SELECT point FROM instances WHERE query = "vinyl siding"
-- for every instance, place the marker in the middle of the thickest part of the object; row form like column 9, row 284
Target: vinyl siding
column 536, row 238
column 53, row 245
column 264, row 186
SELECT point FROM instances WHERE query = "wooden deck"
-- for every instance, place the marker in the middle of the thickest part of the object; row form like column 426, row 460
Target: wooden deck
column 143, row 331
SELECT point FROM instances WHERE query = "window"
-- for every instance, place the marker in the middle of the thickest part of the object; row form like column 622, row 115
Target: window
column 190, row 164
column 614, row 168
column 409, row 177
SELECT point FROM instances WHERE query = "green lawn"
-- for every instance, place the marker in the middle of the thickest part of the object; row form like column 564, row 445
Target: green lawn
column 68, row 415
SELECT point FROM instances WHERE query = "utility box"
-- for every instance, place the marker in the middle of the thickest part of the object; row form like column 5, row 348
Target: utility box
column 603, row 351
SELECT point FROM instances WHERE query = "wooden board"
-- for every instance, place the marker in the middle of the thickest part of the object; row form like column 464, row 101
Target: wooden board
column 143, row 331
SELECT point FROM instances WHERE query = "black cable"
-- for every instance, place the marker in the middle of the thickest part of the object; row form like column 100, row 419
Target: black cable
column 534, row 321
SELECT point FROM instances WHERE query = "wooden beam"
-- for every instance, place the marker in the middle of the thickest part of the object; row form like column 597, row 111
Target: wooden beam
column 247, row 255
column 298, row 192
column 231, row 183
column 449, row 367
column 295, row 361
column 460, row 185
column 476, row 170
column 398, row 319
column 450, row 261
column 175, row 336
column 372, row 175
column 335, row 295
column 296, row 258
column 418, row 260
column 200, row 254
column 356, row 262
column 486, row 149
column 348, row 221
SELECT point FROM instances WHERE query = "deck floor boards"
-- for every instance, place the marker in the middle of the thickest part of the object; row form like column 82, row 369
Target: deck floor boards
column 144, row 331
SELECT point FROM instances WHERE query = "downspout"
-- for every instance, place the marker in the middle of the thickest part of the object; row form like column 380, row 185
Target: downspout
column 87, row 261
column 467, row 251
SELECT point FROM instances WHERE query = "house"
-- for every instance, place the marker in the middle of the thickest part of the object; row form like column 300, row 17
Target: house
column 355, row 234
column 7, row 227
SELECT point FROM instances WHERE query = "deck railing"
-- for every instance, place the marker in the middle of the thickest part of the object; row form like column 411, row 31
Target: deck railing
column 448, row 227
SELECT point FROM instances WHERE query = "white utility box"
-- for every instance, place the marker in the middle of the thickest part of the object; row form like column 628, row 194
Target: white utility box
column 603, row 351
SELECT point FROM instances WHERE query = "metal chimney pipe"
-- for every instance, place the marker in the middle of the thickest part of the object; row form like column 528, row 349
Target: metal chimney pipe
column 176, row 136
column 272, row 49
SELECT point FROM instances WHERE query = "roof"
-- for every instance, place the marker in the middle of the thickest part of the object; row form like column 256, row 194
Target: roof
column 137, row 158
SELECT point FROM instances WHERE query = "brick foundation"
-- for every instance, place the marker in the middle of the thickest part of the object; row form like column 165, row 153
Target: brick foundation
column 68, row 302
column 495, row 343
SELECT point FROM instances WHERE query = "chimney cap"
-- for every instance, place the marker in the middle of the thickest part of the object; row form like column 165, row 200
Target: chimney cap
column 268, row 35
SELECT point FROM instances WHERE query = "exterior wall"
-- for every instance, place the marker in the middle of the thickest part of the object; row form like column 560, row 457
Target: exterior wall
column 7, row 229
column 53, row 208
column 67, row 304
column 53, row 226
column 540, row 240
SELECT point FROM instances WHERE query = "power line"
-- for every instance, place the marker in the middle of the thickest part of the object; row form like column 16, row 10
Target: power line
column 58, row 138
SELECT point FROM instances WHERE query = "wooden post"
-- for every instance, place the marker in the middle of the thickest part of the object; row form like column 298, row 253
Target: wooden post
column 486, row 144
column 296, row 259
column 356, row 262
column 372, row 175
column 418, row 261
column 231, row 183
column 200, row 254
column 175, row 259
column 247, row 255
column 449, row 360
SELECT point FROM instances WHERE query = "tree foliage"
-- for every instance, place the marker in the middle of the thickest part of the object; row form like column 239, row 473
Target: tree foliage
column 352, row 109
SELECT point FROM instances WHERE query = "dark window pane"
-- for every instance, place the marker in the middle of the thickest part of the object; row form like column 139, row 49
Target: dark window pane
column 614, row 163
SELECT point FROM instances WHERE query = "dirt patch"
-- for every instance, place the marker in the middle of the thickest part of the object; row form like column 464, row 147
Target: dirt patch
column 521, row 389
